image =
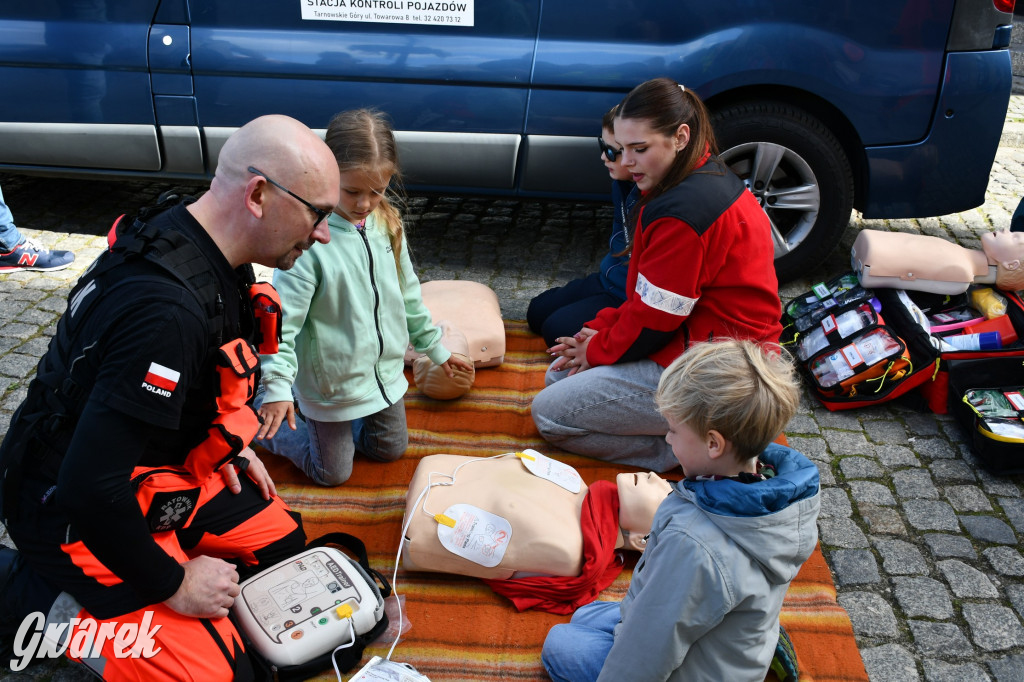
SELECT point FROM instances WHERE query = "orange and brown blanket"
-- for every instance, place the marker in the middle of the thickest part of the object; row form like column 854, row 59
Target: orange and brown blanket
column 460, row 630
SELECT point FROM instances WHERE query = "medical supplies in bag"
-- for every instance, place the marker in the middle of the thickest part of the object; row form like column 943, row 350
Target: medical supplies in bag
column 845, row 323
column 951, row 338
column 846, row 350
column 986, row 395
column 858, row 346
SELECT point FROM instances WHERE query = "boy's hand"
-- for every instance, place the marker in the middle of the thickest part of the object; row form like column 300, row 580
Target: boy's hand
column 273, row 416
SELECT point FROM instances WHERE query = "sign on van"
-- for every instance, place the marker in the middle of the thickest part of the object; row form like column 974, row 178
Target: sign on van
column 436, row 12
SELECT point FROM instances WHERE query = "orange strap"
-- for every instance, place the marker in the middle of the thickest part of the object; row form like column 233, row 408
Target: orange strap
column 266, row 308
column 236, row 423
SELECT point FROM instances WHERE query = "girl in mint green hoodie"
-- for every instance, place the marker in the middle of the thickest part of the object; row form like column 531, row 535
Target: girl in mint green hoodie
column 351, row 308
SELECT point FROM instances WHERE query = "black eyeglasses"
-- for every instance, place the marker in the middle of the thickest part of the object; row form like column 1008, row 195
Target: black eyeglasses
column 320, row 213
column 610, row 152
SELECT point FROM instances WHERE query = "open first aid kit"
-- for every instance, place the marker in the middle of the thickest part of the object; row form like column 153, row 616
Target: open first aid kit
column 987, row 399
column 858, row 346
column 317, row 605
column 959, row 353
column 979, row 324
column 849, row 344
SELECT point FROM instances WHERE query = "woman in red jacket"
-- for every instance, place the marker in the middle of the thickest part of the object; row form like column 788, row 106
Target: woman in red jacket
column 702, row 267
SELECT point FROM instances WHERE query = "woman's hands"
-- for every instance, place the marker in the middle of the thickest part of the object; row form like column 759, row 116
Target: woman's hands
column 571, row 351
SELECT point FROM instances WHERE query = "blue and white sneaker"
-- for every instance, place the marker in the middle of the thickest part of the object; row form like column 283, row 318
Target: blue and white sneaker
column 31, row 255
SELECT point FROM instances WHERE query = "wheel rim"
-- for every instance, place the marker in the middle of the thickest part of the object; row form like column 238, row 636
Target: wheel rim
column 785, row 186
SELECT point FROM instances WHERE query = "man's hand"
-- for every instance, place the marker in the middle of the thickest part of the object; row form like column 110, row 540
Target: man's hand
column 256, row 471
column 208, row 590
column 274, row 415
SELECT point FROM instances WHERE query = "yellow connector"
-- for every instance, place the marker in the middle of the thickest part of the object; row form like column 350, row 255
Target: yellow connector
column 445, row 520
column 344, row 611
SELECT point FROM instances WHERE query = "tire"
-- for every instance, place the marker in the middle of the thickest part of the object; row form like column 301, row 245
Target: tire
column 798, row 171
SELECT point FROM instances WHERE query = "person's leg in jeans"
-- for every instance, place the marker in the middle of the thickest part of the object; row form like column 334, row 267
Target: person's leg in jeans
column 576, row 651
column 383, row 436
column 20, row 253
column 9, row 234
column 322, row 450
column 607, row 412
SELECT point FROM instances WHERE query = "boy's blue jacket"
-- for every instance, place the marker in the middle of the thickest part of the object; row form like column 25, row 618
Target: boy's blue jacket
column 705, row 597
column 614, row 268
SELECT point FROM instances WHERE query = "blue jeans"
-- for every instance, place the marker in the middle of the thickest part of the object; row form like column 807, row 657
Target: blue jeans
column 564, row 310
column 9, row 234
column 606, row 412
column 576, row 651
column 325, row 450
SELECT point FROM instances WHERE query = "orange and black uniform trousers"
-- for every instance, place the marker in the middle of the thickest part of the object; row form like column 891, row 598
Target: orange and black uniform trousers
column 187, row 510
column 242, row 528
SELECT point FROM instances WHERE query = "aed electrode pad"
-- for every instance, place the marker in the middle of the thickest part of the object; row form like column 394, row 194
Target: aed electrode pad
column 300, row 608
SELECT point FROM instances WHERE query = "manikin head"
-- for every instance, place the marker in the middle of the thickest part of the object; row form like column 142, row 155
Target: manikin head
column 432, row 380
column 1005, row 250
column 639, row 497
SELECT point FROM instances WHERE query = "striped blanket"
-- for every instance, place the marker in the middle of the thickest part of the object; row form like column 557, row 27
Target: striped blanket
column 460, row 631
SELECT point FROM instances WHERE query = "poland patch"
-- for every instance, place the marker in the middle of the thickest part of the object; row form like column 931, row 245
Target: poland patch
column 162, row 377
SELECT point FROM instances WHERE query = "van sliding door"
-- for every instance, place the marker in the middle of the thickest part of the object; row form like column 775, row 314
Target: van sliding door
column 452, row 75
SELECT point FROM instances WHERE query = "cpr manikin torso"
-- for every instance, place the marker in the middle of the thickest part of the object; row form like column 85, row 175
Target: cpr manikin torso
column 546, row 537
column 925, row 263
column 469, row 316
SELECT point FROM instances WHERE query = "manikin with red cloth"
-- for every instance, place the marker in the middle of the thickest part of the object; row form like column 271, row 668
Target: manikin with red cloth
column 527, row 525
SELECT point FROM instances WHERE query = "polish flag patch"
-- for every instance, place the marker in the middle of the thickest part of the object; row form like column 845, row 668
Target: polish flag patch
column 162, row 377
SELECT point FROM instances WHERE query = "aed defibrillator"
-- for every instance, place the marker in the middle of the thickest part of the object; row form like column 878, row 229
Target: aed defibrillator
column 308, row 606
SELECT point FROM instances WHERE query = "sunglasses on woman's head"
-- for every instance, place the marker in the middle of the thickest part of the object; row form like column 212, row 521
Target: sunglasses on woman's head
column 610, row 152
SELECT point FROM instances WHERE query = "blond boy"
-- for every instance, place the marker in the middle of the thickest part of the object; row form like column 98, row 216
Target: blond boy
column 725, row 544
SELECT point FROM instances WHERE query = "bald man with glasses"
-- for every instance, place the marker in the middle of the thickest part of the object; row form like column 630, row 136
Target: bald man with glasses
column 127, row 482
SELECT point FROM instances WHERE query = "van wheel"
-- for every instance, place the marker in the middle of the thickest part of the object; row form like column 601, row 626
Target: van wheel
column 798, row 171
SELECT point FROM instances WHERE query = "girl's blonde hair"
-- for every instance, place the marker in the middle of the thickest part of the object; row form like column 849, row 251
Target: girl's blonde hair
column 745, row 391
column 361, row 139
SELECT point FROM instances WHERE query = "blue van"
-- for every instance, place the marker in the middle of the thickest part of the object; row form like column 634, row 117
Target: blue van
column 892, row 107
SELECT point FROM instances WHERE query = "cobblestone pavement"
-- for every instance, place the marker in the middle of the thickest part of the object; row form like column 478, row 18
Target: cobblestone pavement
column 922, row 542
